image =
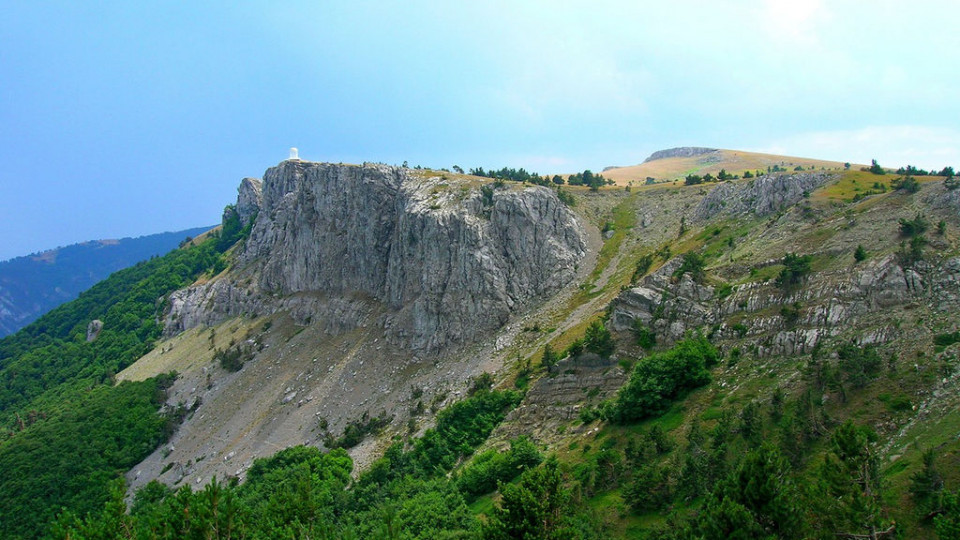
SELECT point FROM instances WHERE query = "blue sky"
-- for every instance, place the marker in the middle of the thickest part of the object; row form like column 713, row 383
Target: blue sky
column 129, row 118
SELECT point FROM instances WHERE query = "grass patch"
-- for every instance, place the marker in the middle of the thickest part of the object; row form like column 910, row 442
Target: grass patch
column 898, row 403
column 759, row 275
column 849, row 185
column 712, row 413
column 669, row 421
column 482, row 505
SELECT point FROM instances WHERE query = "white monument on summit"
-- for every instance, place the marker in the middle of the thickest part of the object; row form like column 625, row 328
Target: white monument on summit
column 294, row 154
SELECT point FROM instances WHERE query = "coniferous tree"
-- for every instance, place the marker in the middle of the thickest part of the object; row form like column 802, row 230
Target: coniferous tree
column 926, row 485
column 853, row 492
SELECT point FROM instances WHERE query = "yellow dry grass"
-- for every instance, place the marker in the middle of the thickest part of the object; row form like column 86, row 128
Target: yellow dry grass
column 734, row 161
column 188, row 350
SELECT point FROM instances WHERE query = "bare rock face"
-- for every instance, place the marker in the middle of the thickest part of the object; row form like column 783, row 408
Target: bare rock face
column 557, row 399
column 759, row 196
column 93, row 329
column 445, row 260
column 668, row 305
column 830, row 303
column 249, row 199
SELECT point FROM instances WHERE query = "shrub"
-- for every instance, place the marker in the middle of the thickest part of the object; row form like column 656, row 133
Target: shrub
column 566, row 197
column 906, row 183
column 356, row 430
column 598, row 340
column 549, row 357
column 945, row 340
column 575, row 349
column 723, row 291
column 912, row 253
column 484, row 381
column 643, row 266
column 914, row 227
column 662, row 377
column 491, row 467
column 796, row 267
column 693, row 263
column 858, row 364
column 646, row 337
column 791, row 313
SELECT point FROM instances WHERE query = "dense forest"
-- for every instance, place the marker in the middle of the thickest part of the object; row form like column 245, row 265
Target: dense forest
column 68, row 431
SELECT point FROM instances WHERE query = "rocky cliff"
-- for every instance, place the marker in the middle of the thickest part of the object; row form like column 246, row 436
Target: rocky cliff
column 760, row 196
column 440, row 259
column 856, row 303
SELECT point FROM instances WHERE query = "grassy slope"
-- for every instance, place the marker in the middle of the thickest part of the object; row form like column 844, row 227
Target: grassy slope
column 831, row 222
column 734, row 161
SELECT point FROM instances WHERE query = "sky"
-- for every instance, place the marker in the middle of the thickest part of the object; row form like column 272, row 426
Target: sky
column 128, row 118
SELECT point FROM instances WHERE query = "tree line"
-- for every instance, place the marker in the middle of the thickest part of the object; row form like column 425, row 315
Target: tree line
column 586, row 178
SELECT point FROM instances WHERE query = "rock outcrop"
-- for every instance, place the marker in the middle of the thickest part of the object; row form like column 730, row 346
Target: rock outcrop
column 681, row 152
column 759, row 196
column 557, row 399
column 829, row 304
column 444, row 259
column 249, row 199
column 93, row 329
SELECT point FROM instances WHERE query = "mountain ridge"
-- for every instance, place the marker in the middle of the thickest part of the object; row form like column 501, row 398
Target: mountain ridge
column 31, row 285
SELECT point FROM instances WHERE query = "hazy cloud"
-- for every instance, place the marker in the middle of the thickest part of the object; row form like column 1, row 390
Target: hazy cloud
column 894, row 146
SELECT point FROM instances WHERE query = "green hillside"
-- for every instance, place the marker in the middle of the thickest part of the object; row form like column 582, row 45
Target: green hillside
column 68, row 431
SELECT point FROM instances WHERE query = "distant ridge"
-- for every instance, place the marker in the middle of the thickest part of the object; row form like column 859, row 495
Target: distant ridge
column 34, row 284
column 680, row 152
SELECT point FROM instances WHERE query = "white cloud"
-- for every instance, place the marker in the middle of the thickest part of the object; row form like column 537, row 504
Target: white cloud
column 793, row 21
column 893, row 146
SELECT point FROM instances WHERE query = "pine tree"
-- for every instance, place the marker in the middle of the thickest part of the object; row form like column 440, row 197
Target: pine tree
column 926, row 485
column 860, row 254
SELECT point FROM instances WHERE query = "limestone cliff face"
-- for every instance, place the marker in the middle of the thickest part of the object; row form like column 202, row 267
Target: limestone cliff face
column 249, row 199
column 831, row 303
column 760, row 196
column 444, row 258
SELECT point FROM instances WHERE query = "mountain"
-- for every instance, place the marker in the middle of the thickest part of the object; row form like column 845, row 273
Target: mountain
column 34, row 284
column 676, row 163
column 372, row 351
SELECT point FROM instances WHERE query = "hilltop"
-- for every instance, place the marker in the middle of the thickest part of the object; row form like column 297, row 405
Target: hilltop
column 676, row 163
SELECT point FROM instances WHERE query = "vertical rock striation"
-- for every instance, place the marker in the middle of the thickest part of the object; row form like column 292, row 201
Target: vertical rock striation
column 447, row 259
